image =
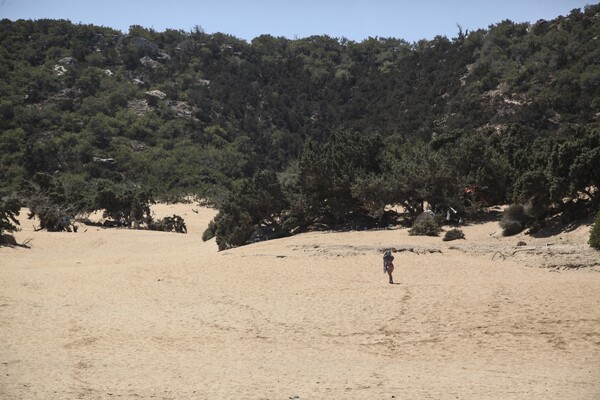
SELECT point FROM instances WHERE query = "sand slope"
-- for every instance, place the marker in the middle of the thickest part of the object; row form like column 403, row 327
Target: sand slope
column 116, row 313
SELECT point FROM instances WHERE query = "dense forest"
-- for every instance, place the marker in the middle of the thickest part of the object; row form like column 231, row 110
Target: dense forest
column 287, row 135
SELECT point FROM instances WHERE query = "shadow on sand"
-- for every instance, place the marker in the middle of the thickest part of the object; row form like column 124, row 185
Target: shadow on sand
column 10, row 241
column 555, row 226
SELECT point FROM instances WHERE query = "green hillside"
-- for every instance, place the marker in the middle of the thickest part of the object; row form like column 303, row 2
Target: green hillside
column 286, row 135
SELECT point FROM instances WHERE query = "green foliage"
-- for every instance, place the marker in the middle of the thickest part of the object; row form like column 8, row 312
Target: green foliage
column 594, row 240
column 425, row 225
column 511, row 227
column 574, row 162
column 453, row 234
column 233, row 227
column 169, row 224
column 349, row 127
column 256, row 202
column 127, row 204
column 52, row 217
column 514, row 220
column 49, row 201
column 11, row 158
column 209, row 233
column 532, row 189
column 476, row 159
column 414, row 173
column 9, row 211
column 328, row 172
column 374, row 192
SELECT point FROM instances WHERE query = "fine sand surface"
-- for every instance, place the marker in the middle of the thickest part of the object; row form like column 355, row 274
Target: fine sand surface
column 118, row 313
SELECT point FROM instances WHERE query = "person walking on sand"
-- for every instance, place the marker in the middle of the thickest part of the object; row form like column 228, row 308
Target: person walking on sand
column 388, row 265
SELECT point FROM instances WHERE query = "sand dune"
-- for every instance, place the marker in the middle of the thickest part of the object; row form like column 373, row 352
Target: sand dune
column 116, row 313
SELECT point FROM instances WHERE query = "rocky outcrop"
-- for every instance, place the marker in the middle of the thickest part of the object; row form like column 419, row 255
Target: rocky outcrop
column 138, row 106
column 59, row 70
column 104, row 161
column 186, row 47
column 149, row 62
column 136, row 78
column 65, row 98
column 163, row 56
column 156, row 95
column 136, row 145
column 183, row 109
column 67, row 61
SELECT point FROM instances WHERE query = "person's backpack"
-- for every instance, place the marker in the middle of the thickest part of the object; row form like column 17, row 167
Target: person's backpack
column 387, row 256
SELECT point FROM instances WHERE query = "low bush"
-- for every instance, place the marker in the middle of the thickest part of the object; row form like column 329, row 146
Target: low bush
column 169, row 224
column 514, row 220
column 425, row 227
column 127, row 204
column 233, row 227
column 47, row 199
column 52, row 217
column 510, row 228
column 453, row 234
column 209, row 233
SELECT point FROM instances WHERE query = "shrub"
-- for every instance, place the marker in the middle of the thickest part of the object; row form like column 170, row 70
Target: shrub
column 425, row 227
column 256, row 202
column 510, row 228
column 169, row 224
column 53, row 214
column 209, row 233
column 233, row 227
column 52, row 203
column 515, row 212
column 52, row 217
column 328, row 171
column 594, row 241
column 531, row 189
column 9, row 210
column 453, row 234
column 514, row 220
column 127, row 204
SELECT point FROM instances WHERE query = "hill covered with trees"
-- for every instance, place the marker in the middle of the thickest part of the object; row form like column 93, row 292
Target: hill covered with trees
column 287, row 135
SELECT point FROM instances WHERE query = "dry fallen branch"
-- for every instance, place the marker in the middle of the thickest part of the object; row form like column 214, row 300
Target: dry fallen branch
column 509, row 255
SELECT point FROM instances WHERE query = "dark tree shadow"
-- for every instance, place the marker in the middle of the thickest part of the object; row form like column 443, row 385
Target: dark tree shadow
column 554, row 226
column 10, row 241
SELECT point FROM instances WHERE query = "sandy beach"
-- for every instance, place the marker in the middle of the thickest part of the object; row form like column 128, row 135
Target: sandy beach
column 118, row 313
